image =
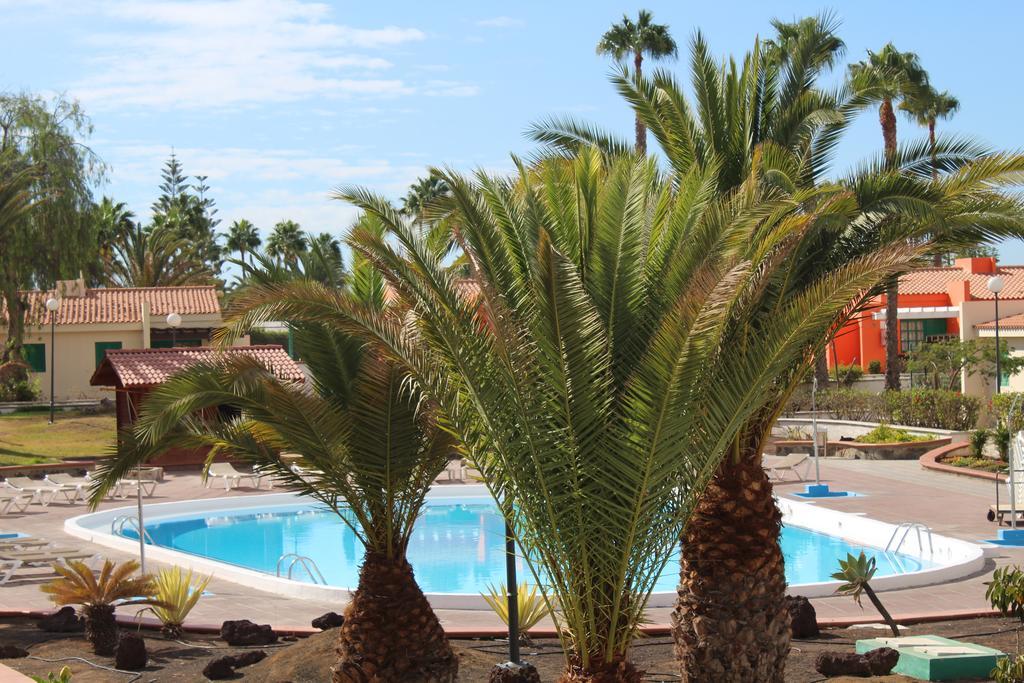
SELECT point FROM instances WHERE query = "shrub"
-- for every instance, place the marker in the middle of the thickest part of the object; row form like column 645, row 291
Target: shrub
column 1001, row 437
column 875, row 367
column 797, row 434
column 531, row 605
column 846, row 375
column 179, row 593
column 987, row 464
column 884, row 433
column 1008, row 409
column 978, row 439
column 934, row 408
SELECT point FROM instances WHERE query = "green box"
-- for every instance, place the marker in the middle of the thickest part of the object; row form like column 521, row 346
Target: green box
column 934, row 658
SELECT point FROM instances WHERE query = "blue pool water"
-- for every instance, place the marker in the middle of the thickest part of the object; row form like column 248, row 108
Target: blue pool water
column 457, row 547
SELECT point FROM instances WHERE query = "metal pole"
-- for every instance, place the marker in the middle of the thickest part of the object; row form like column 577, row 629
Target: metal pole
column 513, row 595
column 174, row 337
column 999, row 351
column 142, row 526
column 53, row 358
column 814, row 428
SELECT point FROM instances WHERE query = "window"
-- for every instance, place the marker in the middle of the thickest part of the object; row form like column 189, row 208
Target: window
column 167, row 344
column 102, row 348
column 1004, row 379
column 35, row 356
column 914, row 332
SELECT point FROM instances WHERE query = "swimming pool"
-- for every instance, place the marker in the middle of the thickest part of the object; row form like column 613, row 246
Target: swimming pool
column 457, row 546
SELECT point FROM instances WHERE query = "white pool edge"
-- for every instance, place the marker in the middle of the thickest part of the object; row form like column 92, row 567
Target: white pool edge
column 956, row 558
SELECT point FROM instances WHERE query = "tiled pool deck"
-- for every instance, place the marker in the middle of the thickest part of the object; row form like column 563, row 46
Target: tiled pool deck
column 894, row 491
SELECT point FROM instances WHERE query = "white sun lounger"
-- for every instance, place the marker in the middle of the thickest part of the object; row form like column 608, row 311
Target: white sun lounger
column 43, row 492
column 797, row 463
column 81, row 484
column 14, row 500
column 12, row 562
column 232, row 477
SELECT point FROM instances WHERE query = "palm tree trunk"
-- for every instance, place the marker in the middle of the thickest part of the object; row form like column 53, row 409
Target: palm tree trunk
column 641, row 129
column 731, row 623
column 617, row 671
column 821, row 369
column 937, row 259
column 390, row 631
column 887, row 117
column 893, row 365
column 100, row 628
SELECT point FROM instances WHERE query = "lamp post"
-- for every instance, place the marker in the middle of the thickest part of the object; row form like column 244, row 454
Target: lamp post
column 174, row 322
column 52, row 304
column 995, row 285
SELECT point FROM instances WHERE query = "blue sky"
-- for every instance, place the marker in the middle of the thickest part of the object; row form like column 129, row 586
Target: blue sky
column 279, row 101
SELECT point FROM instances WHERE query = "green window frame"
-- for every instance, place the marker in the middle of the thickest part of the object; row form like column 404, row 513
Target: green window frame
column 35, row 356
column 102, row 348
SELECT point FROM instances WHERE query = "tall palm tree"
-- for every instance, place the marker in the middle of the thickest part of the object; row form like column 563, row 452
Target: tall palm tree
column 16, row 201
column 243, row 237
column 787, row 136
column 286, row 242
column 888, row 76
column 628, row 39
column 927, row 106
column 155, row 256
column 373, row 447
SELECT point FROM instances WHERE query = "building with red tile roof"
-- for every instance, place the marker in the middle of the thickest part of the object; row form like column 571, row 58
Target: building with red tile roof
column 88, row 322
column 941, row 303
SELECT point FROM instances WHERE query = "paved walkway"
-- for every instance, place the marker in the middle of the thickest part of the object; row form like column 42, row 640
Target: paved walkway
column 895, row 492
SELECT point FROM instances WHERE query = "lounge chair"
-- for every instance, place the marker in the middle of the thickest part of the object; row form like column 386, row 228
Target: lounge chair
column 454, row 470
column 42, row 492
column 11, row 562
column 797, row 463
column 14, row 499
column 124, row 487
column 232, row 477
column 21, row 542
column 81, row 484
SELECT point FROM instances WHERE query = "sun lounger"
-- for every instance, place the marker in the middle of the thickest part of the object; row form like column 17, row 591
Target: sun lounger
column 797, row 463
column 454, row 470
column 12, row 563
column 232, row 477
column 81, row 484
column 42, row 492
column 45, row 554
column 14, row 500
column 18, row 542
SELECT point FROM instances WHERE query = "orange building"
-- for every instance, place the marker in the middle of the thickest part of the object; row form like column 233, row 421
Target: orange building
column 935, row 303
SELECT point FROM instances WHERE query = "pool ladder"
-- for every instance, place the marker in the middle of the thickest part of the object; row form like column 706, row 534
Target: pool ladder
column 906, row 528
column 303, row 561
column 118, row 525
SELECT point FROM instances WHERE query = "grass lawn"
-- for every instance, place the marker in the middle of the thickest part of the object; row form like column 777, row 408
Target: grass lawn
column 26, row 438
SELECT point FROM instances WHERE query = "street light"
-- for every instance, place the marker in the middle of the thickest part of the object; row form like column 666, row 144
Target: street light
column 995, row 285
column 174, row 322
column 52, row 304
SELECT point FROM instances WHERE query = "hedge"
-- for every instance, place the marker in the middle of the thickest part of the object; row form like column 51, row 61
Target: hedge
column 1003, row 403
column 931, row 408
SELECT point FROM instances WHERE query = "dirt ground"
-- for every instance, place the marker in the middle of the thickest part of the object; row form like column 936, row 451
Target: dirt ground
column 309, row 660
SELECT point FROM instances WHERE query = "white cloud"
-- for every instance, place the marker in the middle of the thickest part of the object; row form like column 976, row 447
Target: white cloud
column 450, row 89
column 229, row 53
column 501, row 22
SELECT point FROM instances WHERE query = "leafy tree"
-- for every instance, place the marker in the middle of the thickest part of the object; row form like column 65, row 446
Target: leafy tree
column 187, row 211
column 636, row 39
column 371, row 442
column 287, row 242
column 945, row 362
column 243, row 237
column 888, row 76
column 51, row 236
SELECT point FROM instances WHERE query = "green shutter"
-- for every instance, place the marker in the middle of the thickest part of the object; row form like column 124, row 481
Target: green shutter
column 35, row 356
column 934, row 327
column 166, row 343
column 102, row 348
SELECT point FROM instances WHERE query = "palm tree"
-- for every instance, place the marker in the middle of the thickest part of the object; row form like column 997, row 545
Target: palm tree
column 243, row 237
column 16, row 201
column 286, row 242
column 155, row 257
column 112, row 219
column 629, row 39
column 606, row 364
column 888, row 76
column 789, row 134
column 372, row 445
column 422, row 194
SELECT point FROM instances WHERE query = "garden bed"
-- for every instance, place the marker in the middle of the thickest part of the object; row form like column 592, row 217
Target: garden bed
column 309, row 660
column 910, row 450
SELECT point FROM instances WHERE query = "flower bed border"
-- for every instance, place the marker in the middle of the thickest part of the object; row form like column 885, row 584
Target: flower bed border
column 930, row 461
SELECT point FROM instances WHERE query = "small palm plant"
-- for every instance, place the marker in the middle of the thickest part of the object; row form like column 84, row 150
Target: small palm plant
column 857, row 572
column 179, row 591
column 1006, row 593
column 100, row 595
column 530, row 603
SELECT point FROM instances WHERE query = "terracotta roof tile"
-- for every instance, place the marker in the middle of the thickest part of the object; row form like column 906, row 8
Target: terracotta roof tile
column 935, row 280
column 117, row 305
column 1009, row 322
column 149, row 367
